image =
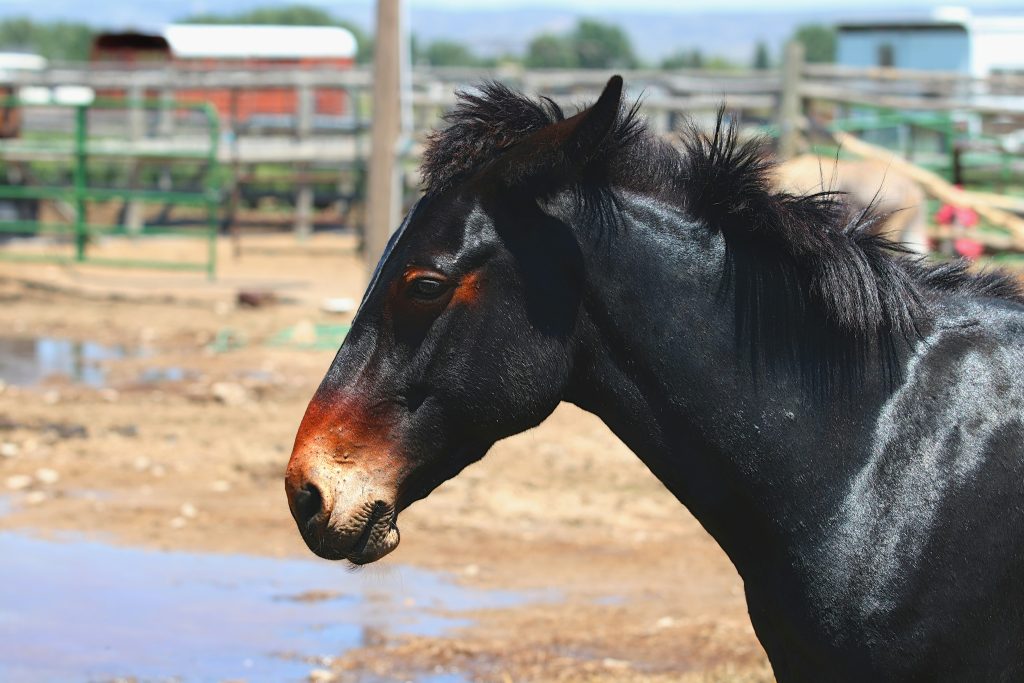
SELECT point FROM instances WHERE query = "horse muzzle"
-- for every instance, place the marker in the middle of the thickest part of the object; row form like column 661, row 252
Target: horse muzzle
column 341, row 512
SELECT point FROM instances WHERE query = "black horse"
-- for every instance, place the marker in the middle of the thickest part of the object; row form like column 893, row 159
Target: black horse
column 846, row 422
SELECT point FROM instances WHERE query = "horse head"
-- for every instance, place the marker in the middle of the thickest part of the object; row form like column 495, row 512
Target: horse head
column 465, row 334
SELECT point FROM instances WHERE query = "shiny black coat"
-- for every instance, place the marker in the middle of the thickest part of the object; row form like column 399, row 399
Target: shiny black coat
column 846, row 423
column 879, row 532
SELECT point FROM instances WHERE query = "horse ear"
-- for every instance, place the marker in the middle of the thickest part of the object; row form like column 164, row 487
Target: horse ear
column 560, row 153
column 595, row 123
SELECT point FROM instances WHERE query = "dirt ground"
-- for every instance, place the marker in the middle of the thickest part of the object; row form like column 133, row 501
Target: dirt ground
column 196, row 463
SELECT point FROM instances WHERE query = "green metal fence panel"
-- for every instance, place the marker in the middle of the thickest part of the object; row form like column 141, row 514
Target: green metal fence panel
column 975, row 159
column 80, row 192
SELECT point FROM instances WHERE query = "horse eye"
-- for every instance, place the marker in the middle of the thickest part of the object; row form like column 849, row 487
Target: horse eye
column 426, row 288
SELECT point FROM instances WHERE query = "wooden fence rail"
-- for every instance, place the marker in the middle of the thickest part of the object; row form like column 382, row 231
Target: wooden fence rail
column 665, row 93
column 304, row 138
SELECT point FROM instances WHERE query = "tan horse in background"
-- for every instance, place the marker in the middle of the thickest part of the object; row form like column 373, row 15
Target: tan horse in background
column 864, row 182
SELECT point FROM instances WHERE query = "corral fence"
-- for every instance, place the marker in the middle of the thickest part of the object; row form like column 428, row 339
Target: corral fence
column 308, row 167
column 75, row 173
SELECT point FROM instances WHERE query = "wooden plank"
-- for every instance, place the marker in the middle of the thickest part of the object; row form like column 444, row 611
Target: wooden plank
column 986, row 104
column 835, row 72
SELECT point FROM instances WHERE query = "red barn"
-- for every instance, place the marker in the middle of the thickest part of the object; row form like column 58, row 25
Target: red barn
column 212, row 47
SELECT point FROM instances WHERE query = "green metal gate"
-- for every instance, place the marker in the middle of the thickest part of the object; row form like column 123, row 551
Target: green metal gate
column 933, row 140
column 70, row 140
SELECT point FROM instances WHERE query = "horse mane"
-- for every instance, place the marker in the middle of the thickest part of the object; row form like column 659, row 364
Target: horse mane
column 815, row 287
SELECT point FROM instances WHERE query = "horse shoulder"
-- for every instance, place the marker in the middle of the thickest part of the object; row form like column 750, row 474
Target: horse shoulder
column 930, row 534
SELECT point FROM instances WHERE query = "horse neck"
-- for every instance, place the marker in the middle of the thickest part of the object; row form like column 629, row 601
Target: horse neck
column 756, row 462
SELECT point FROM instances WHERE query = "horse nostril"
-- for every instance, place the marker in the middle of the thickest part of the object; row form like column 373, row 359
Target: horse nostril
column 308, row 503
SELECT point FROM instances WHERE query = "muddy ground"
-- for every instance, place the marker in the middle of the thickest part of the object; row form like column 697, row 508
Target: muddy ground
column 193, row 459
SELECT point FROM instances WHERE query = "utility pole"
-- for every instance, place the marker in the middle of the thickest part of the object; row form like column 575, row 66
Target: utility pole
column 384, row 193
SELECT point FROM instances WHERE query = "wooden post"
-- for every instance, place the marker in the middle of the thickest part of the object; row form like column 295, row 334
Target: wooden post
column 133, row 209
column 660, row 120
column 789, row 105
column 136, row 112
column 304, row 204
column 305, row 106
column 383, row 194
column 165, row 117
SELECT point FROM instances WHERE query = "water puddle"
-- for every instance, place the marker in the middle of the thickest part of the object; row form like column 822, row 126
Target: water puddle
column 166, row 374
column 84, row 610
column 29, row 361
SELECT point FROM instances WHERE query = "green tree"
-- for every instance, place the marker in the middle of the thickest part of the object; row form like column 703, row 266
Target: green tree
column 289, row 15
column 762, row 57
column 602, row 46
column 720, row 63
column 819, row 42
column 292, row 15
column 364, row 41
column 448, row 53
column 548, row 51
column 60, row 41
column 18, row 34
column 684, row 59
column 591, row 45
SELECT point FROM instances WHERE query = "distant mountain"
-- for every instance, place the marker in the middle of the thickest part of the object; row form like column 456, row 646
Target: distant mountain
column 488, row 32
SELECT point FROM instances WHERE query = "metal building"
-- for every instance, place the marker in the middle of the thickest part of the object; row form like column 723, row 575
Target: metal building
column 950, row 39
column 225, row 47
